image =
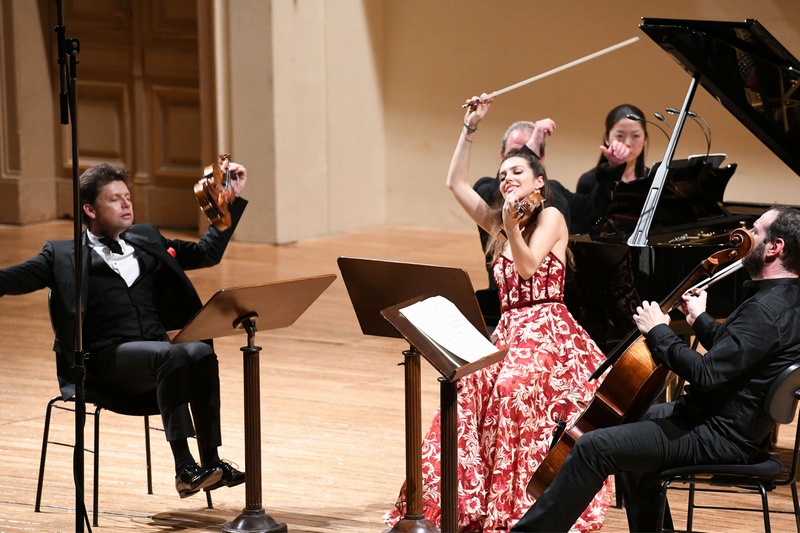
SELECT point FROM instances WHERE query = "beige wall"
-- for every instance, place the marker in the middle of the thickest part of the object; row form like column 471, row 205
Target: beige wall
column 346, row 112
column 27, row 144
column 440, row 53
column 307, row 116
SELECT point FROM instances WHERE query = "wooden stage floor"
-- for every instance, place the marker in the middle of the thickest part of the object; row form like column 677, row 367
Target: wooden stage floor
column 331, row 400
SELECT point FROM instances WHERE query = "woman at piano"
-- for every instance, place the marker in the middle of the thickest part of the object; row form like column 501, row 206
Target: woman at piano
column 622, row 152
column 509, row 412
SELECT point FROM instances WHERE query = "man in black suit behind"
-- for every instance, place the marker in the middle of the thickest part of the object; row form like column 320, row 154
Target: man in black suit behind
column 134, row 290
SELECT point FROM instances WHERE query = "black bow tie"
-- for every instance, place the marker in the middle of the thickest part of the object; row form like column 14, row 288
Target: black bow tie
column 112, row 244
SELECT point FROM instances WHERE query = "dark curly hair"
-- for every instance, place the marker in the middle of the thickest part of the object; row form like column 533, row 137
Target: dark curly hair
column 786, row 227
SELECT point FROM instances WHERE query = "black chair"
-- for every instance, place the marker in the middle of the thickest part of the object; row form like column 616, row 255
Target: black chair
column 99, row 402
column 135, row 405
column 760, row 478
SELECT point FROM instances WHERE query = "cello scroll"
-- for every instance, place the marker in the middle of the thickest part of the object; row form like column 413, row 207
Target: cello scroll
column 742, row 243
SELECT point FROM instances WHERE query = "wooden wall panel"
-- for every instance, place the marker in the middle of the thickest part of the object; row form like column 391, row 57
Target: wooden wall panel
column 139, row 101
column 104, row 126
column 10, row 156
column 176, row 135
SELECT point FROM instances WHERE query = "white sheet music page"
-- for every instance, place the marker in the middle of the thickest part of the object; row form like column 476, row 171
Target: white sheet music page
column 440, row 320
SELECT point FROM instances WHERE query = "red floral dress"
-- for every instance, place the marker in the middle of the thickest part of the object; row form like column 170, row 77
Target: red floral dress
column 508, row 412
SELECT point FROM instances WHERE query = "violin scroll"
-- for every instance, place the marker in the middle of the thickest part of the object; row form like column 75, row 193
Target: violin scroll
column 526, row 208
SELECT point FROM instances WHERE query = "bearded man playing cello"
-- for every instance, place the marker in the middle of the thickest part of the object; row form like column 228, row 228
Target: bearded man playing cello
column 721, row 418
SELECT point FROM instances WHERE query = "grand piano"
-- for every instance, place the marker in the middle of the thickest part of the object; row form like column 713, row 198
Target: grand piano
column 657, row 230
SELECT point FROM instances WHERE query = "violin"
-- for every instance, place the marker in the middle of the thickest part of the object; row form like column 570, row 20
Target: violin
column 527, row 207
column 214, row 193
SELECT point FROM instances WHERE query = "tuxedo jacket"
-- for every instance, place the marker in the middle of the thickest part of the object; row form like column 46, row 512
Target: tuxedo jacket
column 174, row 295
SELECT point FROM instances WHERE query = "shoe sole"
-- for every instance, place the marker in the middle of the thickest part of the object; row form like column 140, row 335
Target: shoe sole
column 210, row 480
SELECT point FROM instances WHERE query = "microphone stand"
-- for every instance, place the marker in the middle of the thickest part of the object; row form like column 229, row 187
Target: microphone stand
column 697, row 118
column 68, row 50
column 634, row 116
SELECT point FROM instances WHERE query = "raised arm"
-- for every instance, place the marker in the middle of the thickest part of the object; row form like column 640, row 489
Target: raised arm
column 542, row 129
column 458, row 174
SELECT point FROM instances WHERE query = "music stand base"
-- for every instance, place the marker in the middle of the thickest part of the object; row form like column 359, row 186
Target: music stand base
column 413, row 525
column 254, row 522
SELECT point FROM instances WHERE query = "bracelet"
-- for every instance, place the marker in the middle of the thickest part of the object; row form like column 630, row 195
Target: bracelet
column 470, row 128
column 468, row 140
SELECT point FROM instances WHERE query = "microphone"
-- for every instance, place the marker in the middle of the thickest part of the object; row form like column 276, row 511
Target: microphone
column 634, row 116
column 660, row 117
column 697, row 118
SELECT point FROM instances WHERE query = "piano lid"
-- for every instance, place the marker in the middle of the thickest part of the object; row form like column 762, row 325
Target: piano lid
column 746, row 69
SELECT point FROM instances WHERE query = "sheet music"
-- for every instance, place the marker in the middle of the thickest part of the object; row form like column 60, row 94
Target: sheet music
column 440, row 320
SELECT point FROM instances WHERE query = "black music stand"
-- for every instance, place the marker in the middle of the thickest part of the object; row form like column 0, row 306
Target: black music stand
column 229, row 311
column 378, row 290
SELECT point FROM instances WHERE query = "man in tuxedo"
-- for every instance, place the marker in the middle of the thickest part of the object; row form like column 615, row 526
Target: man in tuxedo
column 134, row 289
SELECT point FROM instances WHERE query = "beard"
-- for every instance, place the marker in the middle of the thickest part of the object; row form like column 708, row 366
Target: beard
column 754, row 261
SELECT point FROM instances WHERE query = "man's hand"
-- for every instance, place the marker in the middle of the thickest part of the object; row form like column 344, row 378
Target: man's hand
column 693, row 304
column 238, row 178
column 649, row 315
column 542, row 129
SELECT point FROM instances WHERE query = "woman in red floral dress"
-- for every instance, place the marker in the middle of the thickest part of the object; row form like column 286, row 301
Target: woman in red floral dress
column 508, row 412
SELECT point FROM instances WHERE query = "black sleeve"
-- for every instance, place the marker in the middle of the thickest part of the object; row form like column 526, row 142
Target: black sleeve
column 562, row 199
column 487, row 188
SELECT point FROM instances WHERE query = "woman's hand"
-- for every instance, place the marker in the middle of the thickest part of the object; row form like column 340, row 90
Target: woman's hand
column 477, row 111
column 616, row 153
column 510, row 216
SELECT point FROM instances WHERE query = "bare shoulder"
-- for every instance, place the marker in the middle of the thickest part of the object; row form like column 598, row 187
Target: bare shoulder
column 551, row 215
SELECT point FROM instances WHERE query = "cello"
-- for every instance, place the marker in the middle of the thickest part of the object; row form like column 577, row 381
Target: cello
column 634, row 380
column 214, row 193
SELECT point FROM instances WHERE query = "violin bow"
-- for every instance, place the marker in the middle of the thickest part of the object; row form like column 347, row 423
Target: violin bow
column 554, row 71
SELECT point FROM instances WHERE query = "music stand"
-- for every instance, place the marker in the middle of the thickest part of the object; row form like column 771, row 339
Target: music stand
column 378, row 289
column 229, row 311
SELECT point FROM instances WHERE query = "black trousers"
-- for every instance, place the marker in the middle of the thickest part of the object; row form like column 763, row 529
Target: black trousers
column 184, row 375
column 636, row 451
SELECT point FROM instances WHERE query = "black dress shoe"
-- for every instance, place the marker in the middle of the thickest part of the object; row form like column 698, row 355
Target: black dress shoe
column 193, row 478
column 230, row 476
